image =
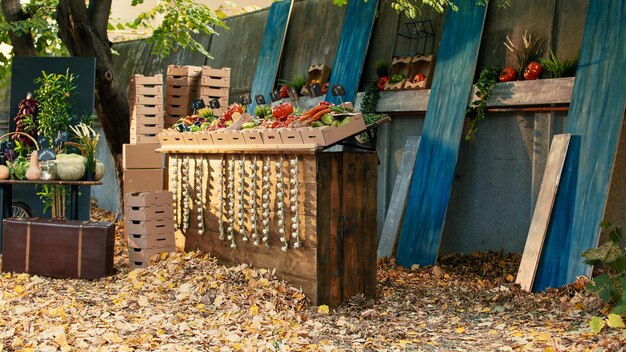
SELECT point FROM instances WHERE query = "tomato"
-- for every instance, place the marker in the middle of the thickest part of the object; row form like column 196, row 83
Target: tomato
column 532, row 71
column 325, row 87
column 324, row 103
column 283, row 92
column 381, row 82
column 228, row 115
column 419, row 78
column 282, row 110
column 508, row 74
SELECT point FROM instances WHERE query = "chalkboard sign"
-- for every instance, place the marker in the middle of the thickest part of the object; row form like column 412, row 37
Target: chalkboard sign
column 43, row 142
column 214, row 103
column 196, row 104
column 245, row 99
column 293, row 94
column 259, row 99
column 338, row 90
column 46, row 154
column 315, row 90
column 275, row 96
column 62, row 137
column 8, row 144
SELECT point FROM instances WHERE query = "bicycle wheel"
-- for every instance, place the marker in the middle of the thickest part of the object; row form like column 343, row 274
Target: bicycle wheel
column 20, row 210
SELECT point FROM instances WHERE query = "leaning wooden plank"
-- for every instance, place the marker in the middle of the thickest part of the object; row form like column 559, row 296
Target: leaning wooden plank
column 439, row 147
column 395, row 212
column 271, row 50
column 595, row 118
column 543, row 210
column 353, row 43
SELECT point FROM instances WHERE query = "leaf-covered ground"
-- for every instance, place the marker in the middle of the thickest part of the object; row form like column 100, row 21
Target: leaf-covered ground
column 187, row 302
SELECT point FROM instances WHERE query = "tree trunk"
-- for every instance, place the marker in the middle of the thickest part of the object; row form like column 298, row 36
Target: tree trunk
column 23, row 44
column 83, row 30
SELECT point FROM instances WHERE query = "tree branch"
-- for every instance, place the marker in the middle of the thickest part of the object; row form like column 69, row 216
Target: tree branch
column 23, row 44
column 99, row 16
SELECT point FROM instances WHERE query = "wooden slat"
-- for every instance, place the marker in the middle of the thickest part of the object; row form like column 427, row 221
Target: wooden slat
column 369, row 234
column 324, row 270
column 352, row 278
column 352, row 48
column 335, row 233
column 395, row 212
column 441, row 136
column 594, row 120
column 271, row 50
column 543, row 210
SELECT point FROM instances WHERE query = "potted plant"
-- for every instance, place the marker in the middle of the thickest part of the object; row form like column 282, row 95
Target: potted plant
column 526, row 56
column 86, row 139
column 558, row 68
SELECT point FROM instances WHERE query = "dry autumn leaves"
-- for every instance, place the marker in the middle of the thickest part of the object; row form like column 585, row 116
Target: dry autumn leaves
column 187, row 302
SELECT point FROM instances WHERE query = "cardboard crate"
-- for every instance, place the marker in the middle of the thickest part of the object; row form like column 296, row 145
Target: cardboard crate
column 188, row 70
column 214, row 92
column 143, row 180
column 208, row 71
column 179, row 110
column 146, row 119
column 183, row 81
column 145, row 90
column 318, row 73
column 183, row 100
column 156, row 226
column 140, row 257
column 144, row 199
column 147, row 99
column 138, row 109
column 147, row 213
column 146, row 129
column 138, row 79
column 215, row 82
column 176, row 90
column 151, row 240
column 423, row 65
column 143, row 138
column 172, row 119
column 142, row 156
column 399, row 65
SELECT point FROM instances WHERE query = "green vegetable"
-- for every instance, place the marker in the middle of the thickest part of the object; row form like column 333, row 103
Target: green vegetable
column 345, row 121
column 398, row 77
column 327, row 119
column 248, row 125
column 17, row 169
column 194, row 128
column 317, row 124
column 372, row 118
column 340, row 109
column 336, row 123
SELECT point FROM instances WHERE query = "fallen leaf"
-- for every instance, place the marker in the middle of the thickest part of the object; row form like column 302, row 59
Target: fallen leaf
column 323, row 309
column 615, row 321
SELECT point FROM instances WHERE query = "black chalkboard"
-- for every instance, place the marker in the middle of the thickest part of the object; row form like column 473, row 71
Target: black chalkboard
column 214, row 103
column 245, row 99
column 338, row 90
column 46, row 154
column 62, row 137
column 259, row 99
column 275, row 96
column 315, row 90
column 196, row 104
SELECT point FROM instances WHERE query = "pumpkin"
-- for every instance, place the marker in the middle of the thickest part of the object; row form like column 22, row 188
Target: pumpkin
column 99, row 170
column 34, row 171
column 4, row 172
column 70, row 167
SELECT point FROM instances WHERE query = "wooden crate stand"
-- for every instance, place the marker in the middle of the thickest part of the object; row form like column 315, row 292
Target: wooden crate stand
column 337, row 219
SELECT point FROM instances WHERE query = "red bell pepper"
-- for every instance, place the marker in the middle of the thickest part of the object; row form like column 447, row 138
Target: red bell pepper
column 508, row 74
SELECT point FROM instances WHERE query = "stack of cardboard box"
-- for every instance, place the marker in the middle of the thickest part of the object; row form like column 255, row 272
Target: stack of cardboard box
column 148, row 210
column 149, row 225
column 146, row 108
column 181, row 87
column 215, row 84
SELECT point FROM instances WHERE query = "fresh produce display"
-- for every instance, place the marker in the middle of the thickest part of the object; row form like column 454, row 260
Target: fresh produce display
column 508, row 74
column 382, row 81
column 532, row 71
column 418, row 78
column 397, row 78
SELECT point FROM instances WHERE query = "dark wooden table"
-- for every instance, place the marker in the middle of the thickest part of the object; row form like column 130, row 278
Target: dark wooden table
column 6, row 195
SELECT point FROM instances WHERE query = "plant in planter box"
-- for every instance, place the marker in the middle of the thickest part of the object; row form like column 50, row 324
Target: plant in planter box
column 55, row 107
column 527, row 55
column 382, row 68
column 558, row 68
column 87, row 141
column 477, row 109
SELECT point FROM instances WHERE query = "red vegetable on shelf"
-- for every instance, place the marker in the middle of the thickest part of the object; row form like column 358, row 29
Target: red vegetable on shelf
column 508, row 74
column 228, row 115
column 532, row 71
column 325, row 87
column 283, row 93
column 419, row 78
column 25, row 119
column 282, row 110
column 381, row 82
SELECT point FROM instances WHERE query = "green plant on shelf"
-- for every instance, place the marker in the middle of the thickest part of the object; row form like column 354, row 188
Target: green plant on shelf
column 531, row 49
column 55, row 107
column 86, row 139
column 558, row 68
column 478, row 108
column 297, row 82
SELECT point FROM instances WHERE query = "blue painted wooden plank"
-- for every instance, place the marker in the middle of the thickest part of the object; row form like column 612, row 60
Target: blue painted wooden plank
column 353, row 43
column 271, row 50
column 595, row 119
column 441, row 136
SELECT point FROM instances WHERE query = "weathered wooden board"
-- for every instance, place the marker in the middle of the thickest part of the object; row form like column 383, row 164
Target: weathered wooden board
column 271, row 50
column 439, row 145
column 355, row 37
column 395, row 212
column 594, row 120
column 543, row 211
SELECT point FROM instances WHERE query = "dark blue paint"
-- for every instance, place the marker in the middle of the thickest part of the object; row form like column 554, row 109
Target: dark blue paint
column 443, row 125
column 353, row 43
column 271, row 50
column 595, row 116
